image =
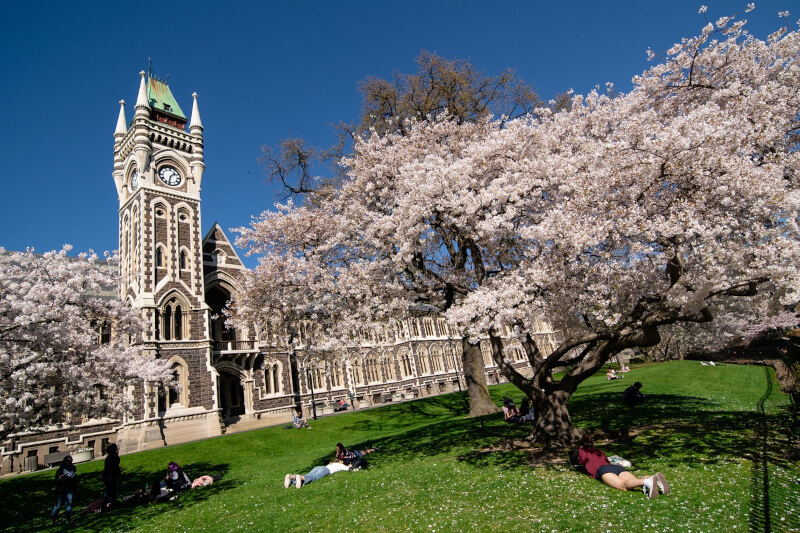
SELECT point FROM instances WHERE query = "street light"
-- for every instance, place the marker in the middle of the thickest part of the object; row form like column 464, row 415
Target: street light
column 311, row 387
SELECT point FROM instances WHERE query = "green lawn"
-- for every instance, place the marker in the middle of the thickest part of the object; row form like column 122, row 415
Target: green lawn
column 720, row 434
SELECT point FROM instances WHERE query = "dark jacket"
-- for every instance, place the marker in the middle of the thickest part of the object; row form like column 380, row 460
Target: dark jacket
column 177, row 480
column 111, row 469
column 66, row 479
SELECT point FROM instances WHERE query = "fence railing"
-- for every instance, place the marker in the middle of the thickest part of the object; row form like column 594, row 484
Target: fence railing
column 234, row 346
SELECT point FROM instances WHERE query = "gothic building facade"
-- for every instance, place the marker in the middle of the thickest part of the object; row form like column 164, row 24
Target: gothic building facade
column 181, row 279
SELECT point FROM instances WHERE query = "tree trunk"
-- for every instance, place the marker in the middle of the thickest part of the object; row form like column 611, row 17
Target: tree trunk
column 553, row 427
column 480, row 403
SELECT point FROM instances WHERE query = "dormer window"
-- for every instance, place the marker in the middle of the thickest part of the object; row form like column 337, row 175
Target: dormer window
column 167, row 107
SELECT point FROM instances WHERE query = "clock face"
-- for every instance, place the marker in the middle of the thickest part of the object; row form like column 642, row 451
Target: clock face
column 169, row 175
column 135, row 179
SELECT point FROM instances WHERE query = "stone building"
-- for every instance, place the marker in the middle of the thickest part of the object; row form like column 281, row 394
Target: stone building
column 181, row 279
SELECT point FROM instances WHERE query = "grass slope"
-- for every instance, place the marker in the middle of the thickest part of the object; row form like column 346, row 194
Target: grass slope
column 720, row 434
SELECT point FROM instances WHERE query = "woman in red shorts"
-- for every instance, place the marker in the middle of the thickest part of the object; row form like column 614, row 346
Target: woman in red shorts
column 598, row 467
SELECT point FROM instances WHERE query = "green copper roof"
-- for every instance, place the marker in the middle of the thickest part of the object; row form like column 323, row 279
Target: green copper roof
column 160, row 97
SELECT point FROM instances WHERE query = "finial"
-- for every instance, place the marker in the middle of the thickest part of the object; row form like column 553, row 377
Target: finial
column 195, row 120
column 141, row 99
column 122, row 123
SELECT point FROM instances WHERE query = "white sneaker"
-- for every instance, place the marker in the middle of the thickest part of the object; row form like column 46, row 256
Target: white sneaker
column 663, row 486
column 287, row 481
column 298, row 481
column 649, row 488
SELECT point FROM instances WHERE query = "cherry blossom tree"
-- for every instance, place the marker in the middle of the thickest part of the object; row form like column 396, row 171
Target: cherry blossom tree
column 614, row 218
column 53, row 368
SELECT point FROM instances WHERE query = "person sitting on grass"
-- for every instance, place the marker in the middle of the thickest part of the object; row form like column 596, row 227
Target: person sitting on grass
column 612, row 374
column 176, row 479
column 353, row 459
column 633, row 395
column 616, row 476
column 510, row 412
column 315, row 474
column 298, row 420
column 526, row 411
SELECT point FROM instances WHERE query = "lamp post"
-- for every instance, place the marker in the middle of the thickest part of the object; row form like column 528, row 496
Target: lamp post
column 311, row 388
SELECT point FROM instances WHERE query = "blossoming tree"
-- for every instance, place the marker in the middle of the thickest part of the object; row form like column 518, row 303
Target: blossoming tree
column 53, row 367
column 614, row 218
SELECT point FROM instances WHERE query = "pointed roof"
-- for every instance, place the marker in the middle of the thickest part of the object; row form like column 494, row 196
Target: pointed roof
column 141, row 97
column 122, row 124
column 160, row 97
column 195, row 113
column 216, row 239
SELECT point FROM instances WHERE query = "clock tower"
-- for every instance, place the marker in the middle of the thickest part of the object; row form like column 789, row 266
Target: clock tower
column 158, row 170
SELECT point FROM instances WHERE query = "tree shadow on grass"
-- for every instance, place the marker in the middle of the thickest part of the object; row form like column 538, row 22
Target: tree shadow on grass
column 27, row 501
column 396, row 417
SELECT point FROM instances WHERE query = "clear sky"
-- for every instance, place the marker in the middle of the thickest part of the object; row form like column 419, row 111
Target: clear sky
column 265, row 70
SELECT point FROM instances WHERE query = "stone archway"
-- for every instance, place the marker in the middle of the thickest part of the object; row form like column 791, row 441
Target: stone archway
column 231, row 393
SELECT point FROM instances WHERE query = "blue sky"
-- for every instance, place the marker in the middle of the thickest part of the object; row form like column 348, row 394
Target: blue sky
column 267, row 70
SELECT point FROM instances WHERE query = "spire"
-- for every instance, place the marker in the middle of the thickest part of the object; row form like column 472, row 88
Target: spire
column 141, row 100
column 195, row 122
column 122, row 124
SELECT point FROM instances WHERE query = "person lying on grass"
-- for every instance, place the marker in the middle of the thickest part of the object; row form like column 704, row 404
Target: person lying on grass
column 598, row 467
column 354, row 459
column 316, row 473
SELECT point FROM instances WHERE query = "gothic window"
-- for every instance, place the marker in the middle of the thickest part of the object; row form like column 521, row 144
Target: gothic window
column 159, row 257
column 171, row 321
column 358, row 374
column 272, row 378
column 372, row 369
column 183, row 260
column 449, row 358
column 520, row 354
column 315, row 377
column 180, row 375
column 415, row 328
column 178, row 318
column 405, row 364
column 337, row 375
column 436, row 359
column 103, row 330
column 422, row 358
column 388, row 369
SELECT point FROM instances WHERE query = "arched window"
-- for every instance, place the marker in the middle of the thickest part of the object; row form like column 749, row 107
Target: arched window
column 449, row 359
column 167, row 326
column 159, row 257
column 178, row 396
column 183, row 260
column 272, row 378
column 171, row 321
column 422, row 358
column 358, row 372
column 388, row 369
column 178, row 318
column 436, row 359
column 372, row 369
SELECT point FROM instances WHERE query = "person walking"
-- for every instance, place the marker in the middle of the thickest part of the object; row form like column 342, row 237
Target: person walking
column 66, row 485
